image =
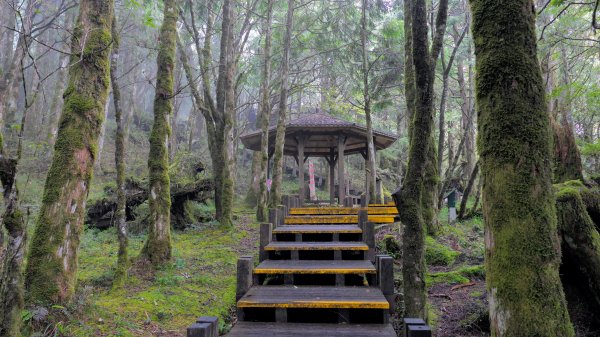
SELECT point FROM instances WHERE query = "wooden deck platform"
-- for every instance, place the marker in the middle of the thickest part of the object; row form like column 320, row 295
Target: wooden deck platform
column 317, row 276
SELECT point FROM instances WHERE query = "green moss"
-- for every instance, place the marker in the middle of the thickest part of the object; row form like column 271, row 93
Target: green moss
column 515, row 147
column 199, row 281
column 437, row 254
column 458, row 276
column 52, row 260
column 389, row 245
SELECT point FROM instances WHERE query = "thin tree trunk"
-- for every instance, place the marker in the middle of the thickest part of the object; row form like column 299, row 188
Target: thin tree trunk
column 51, row 271
column 158, row 244
column 265, row 112
column 280, row 136
column 465, row 197
column 521, row 239
column 120, row 220
column 371, row 177
column 409, row 201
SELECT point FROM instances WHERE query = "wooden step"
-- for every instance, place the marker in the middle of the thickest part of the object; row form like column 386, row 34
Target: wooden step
column 315, row 267
column 335, row 219
column 316, row 229
column 260, row 329
column 335, row 245
column 314, row 297
column 386, row 210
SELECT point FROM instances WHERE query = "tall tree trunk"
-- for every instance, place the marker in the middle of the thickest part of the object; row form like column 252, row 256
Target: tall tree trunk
column 409, row 68
column 280, row 136
column 226, row 109
column 158, row 244
column 522, row 244
column 409, row 201
column 265, row 112
column 52, row 262
column 7, row 35
column 371, row 177
column 120, row 220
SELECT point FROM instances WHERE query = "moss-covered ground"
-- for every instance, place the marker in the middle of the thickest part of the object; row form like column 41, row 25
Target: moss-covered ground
column 199, row 281
column 457, row 304
column 456, row 278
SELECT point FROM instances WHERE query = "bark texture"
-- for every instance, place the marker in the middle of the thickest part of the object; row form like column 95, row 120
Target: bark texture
column 11, row 280
column 522, row 244
column 120, row 220
column 275, row 198
column 410, row 203
column 265, row 111
column 371, row 167
column 577, row 208
column 158, row 244
column 52, row 262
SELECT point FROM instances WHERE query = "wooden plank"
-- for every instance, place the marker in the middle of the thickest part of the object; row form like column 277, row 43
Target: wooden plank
column 315, row 267
column 314, row 297
column 295, row 246
column 336, row 219
column 386, row 210
column 260, row 329
column 316, row 229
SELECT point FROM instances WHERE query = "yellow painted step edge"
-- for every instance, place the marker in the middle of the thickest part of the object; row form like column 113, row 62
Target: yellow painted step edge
column 315, row 304
column 314, row 271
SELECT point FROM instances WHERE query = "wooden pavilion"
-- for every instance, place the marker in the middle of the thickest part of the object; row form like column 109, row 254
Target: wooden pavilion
column 321, row 135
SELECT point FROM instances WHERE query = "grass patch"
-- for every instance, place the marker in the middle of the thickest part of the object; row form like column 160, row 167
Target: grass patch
column 200, row 281
column 437, row 254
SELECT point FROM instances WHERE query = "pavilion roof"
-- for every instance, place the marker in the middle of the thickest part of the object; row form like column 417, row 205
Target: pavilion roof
column 321, row 132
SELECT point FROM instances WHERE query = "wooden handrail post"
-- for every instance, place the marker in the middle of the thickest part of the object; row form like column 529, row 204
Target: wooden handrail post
column 369, row 239
column 385, row 277
column 363, row 217
column 266, row 235
column 244, row 276
column 280, row 216
column 273, row 216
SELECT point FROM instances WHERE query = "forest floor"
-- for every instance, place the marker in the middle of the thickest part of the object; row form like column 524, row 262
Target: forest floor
column 456, row 280
column 200, row 281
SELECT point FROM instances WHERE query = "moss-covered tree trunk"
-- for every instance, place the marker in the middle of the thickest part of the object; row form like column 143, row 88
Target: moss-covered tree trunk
column 119, row 216
column 410, row 201
column 575, row 205
column 225, row 108
column 11, row 279
column 275, row 198
column 265, row 111
column 158, row 244
column 50, row 275
column 522, row 244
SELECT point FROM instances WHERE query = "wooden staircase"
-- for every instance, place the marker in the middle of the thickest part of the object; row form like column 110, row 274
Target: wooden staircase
column 318, row 275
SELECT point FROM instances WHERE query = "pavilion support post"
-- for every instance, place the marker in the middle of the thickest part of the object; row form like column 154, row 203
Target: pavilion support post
column 331, row 177
column 301, row 169
column 341, row 175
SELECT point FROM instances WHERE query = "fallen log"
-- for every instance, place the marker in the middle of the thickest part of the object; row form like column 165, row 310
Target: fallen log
column 100, row 212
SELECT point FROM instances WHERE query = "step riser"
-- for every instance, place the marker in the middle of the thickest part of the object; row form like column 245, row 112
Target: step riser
column 314, row 315
column 317, row 237
column 317, row 255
